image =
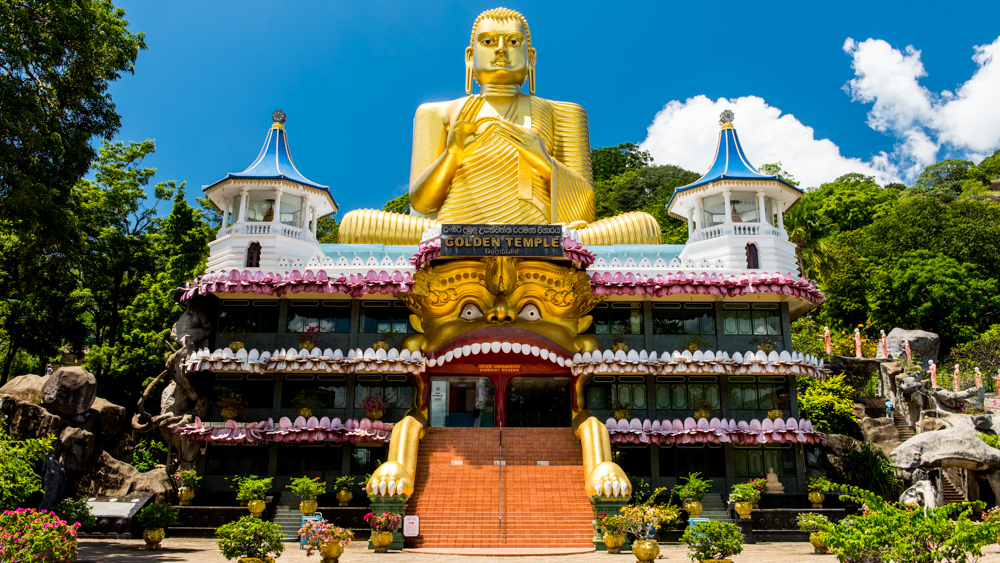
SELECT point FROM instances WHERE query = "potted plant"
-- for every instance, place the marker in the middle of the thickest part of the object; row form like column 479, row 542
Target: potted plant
column 812, row 523
column 328, row 539
column 251, row 540
column 817, row 487
column 383, row 525
column 345, row 489
column 232, row 406
column 153, row 519
column 763, row 344
column 253, row 489
column 713, row 541
column 702, row 408
column 743, row 495
column 760, row 484
column 642, row 521
column 76, row 511
column 775, row 400
column 621, row 409
column 187, row 482
column 310, row 339
column 375, row 405
column 613, row 530
column 695, row 343
column 691, row 492
column 305, row 402
column 308, row 490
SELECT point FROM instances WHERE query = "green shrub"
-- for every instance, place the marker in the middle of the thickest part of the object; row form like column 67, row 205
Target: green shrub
column 345, row 483
column 147, row 455
column 156, row 516
column 250, row 537
column 713, row 540
column 76, row 511
column 615, row 525
column 868, row 468
column 829, row 404
column 18, row 475
column 694, row 488
column 306, row 488
column 37, row 536
column 744, row 492
column 992, row 440
column 251, row 487
column 810, row 522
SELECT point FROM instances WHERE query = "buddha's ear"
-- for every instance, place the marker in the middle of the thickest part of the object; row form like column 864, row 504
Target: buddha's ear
column 583, row 324
column 468, row 70
column 531, row 71
column 417, row 323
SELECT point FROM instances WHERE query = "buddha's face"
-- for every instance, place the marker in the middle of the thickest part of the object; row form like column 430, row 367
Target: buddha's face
column 500, row 54
column 530, row 303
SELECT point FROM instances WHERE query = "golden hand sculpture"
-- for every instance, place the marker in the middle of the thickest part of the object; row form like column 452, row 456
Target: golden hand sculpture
column 500, row 156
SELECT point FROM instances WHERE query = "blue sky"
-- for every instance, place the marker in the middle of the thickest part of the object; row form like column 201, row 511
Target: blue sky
column 350, row 75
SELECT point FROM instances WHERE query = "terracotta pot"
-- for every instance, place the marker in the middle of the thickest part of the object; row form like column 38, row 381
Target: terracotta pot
column 614, row 542
column 381, row 540
column 622, row 413
column 693, row 508
column 818, row 546
column 702, row 413
column 774, row 413
column 308, row 506
column 344, row 497
column 817, row 499
column 229, row 413
column 374, row 414
column 256, row 508
column 645, row 550
column 332, row 551
column 744, row 509
column 304, row 412
column 153, row 538
column 185, row 494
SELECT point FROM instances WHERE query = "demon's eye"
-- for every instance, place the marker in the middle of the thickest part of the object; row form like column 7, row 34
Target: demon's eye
column 471, row 312
column 530, row 312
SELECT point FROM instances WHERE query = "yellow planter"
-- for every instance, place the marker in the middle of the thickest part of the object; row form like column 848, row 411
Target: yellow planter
column 185, row 494
column 702, row 413
column 693, row 508
column 716, row 561
column 614, row 542
column 380, row 541
column 744, row 509
column 381, row 345
column 816, row 499
column 256, row 508
column 304, row 412
column 622, row 413
column 645, row 550
column 307, row 345
column 308, row 507
column 774, row 413
column 229, row 413
column 374, row 414
column 235, row 345
column 256, row 560
column 818, row 546
column 344, row 497
column 332, row 551
column 153, row 538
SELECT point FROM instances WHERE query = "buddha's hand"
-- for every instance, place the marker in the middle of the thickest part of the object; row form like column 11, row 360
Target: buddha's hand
column 462, row 134
column 391, row 478
column 529, row 145
column 608, row 480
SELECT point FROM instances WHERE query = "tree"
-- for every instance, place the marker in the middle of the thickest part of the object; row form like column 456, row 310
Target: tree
column 608, row 162
column 400, row 204
column 943, row 180
column 327, row 230
column 19, row 477
column 828, row 403
column 774, row 169
column 645, row 188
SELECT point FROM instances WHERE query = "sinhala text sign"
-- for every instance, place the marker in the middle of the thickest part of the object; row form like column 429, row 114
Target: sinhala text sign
column 501, row 240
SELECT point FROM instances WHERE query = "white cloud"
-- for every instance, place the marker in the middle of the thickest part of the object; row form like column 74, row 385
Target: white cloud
column 683, row 133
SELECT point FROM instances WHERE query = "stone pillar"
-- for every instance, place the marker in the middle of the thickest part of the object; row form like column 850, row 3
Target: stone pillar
column 781, row 214
column 728, row 215
column 315, row 221
column 395, row 504
column 691, row 227
column 277, row 210
column 225, row 214
column 243, row 206
column 303, row 214
column 699, row 214
column 611, row 506
column 761, row 216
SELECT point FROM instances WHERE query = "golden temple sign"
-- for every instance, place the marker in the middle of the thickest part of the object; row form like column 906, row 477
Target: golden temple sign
column 501, row 240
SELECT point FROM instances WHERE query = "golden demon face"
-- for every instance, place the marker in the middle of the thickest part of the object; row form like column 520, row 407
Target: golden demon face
column 507, row 300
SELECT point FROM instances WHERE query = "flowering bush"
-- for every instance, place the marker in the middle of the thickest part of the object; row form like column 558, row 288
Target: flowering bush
column 188, row 478
column 319, row 533
column 713, row 540
column 233, row 401
column 642, row 520
column 758, row 484
column 699, row 404
column 76, row 511
column 306, row 488
column 376, row 402
column 250, row 537
column 385, row 522
column 818, row 484
column 616, row 525
column 39, row 536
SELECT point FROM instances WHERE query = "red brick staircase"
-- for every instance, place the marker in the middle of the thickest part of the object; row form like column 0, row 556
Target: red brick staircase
column 521, row 504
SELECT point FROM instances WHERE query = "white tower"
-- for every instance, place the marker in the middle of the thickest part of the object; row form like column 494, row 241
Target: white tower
column 735, row 214
column 269, row 211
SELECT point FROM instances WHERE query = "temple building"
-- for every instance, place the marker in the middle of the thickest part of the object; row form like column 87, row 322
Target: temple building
column 499, row 358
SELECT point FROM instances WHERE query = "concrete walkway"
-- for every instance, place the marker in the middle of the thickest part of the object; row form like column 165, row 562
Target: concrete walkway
column 199, row 550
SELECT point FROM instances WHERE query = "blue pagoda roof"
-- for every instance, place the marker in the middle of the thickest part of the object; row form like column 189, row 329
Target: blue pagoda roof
column 730, row 163
column 274, row 163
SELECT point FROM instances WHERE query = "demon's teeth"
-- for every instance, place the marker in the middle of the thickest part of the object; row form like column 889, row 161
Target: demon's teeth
column 505, row 347
column 476, row 347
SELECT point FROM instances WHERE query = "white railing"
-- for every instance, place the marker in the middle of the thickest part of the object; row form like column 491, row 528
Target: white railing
column 739, row 229
column 260, row 228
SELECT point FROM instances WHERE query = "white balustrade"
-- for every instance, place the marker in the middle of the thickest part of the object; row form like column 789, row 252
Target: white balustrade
column 260, row 228
column 740, row 229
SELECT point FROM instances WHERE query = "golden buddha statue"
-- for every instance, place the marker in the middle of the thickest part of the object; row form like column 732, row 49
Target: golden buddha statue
column 500, row 156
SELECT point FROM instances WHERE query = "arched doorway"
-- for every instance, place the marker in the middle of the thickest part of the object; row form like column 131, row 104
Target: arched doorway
column 253, row 255
column 538, row 402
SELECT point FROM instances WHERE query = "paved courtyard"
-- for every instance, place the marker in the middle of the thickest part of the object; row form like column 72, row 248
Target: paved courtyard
column 198, row 550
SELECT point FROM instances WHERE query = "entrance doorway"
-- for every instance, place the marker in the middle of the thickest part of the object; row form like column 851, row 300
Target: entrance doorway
column 538, row 402
column 462, row 402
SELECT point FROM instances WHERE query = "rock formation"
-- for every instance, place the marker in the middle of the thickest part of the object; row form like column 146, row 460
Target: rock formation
column 923, row 345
